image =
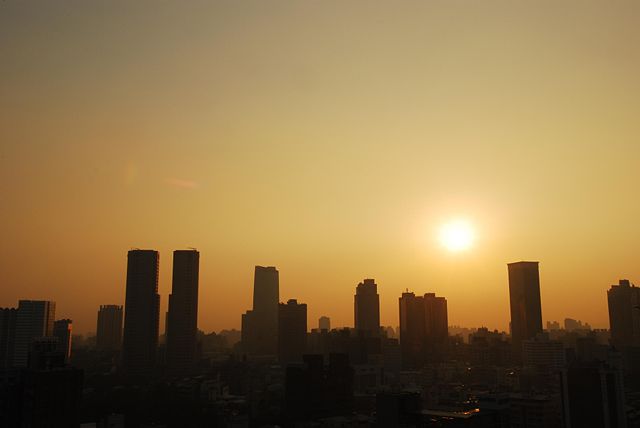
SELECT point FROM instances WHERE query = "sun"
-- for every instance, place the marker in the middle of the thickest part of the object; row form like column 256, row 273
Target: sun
column 457, row 235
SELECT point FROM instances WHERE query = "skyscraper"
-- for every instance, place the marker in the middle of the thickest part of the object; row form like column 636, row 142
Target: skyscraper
column 526, row 310
column 7, row 335
column 109, row 328
column 260, row 325
column 142, row 312
column 412, row 329
column 624, row 314
column 182, row 319
column 366, row 305
column 62, row 330
column 292, row 331
column 34, row 320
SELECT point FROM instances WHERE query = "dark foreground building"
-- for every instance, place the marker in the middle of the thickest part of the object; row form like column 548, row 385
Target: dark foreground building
column 142, row 312
column 182, row 319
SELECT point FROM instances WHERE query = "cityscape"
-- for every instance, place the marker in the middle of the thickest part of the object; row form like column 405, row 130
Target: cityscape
column 319, row 214
column 282, row 370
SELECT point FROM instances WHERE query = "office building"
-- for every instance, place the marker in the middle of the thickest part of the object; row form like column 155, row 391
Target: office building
column 524, row 297
column 624, row 314
column 109, row 328
column 292, row 331
column 182, row 318
column 324, row 323
column 142, row 312
column 7, row 336
column 33, row 320
column 366, row 308
column 62, row 330
column 260, row 325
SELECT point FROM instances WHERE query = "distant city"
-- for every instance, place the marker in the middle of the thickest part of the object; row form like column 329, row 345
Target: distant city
column 277, row 371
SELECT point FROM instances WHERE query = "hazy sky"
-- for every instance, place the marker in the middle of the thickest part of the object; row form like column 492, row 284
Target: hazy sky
column 328, row 138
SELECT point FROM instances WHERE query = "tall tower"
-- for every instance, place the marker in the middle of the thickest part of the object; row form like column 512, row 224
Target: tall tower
column 182, row 328
column 624, row 314
column 109, row 328
column 524, row 296
column 34, row 320
column 142, row 312
column 412, row 330
column 366, row 305
column 260, row 325
column 62, row 330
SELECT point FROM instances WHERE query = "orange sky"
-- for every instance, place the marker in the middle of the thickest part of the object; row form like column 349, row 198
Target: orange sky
column 328, row 138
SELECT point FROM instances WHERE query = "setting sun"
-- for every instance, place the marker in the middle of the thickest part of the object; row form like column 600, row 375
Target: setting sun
column 457, row 235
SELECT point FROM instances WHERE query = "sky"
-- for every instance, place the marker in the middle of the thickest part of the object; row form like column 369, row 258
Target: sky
column 332, row 139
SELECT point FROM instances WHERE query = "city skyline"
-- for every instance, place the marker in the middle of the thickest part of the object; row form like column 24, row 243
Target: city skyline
column 332, row 140
column 370, row 283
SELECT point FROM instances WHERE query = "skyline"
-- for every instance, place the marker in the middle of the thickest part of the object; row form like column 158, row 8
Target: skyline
column 330, row 139
column 367, row 281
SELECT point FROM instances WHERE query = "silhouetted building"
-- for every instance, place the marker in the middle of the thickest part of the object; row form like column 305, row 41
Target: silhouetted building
column 62, row 330
column 624, row 314
column 51, row 397
column 324, row 323
column 109, row 328
column 34, row 319
column 423, row 328
column 142, row 312
column 412, row 330
column 292, row 331
column 260, row 325
column 315, row 390
column 366, row 303
column 45, row 354
column 593, row 396
column 7, row 335
column 436, row 323
column 182, row 319
column 526, row 310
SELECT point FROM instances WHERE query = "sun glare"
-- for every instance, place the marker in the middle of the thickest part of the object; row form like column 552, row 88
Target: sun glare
column 457, row 235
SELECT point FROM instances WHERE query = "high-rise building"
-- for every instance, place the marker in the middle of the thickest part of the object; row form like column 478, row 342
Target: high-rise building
column 109, row 328
column 324, row 323
column 62, row 330
column 366, row 308
column 624, row 314
column 292, row 331
column 424, row 331
column 182, row 319
column 526, row 310
column 34, row 320
column 142, row 312
column 260, row 325
column 412, row 328
column 436, row 326
column 7, row 335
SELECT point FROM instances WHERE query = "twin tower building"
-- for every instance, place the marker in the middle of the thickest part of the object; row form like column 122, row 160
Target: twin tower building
column 142, row 312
